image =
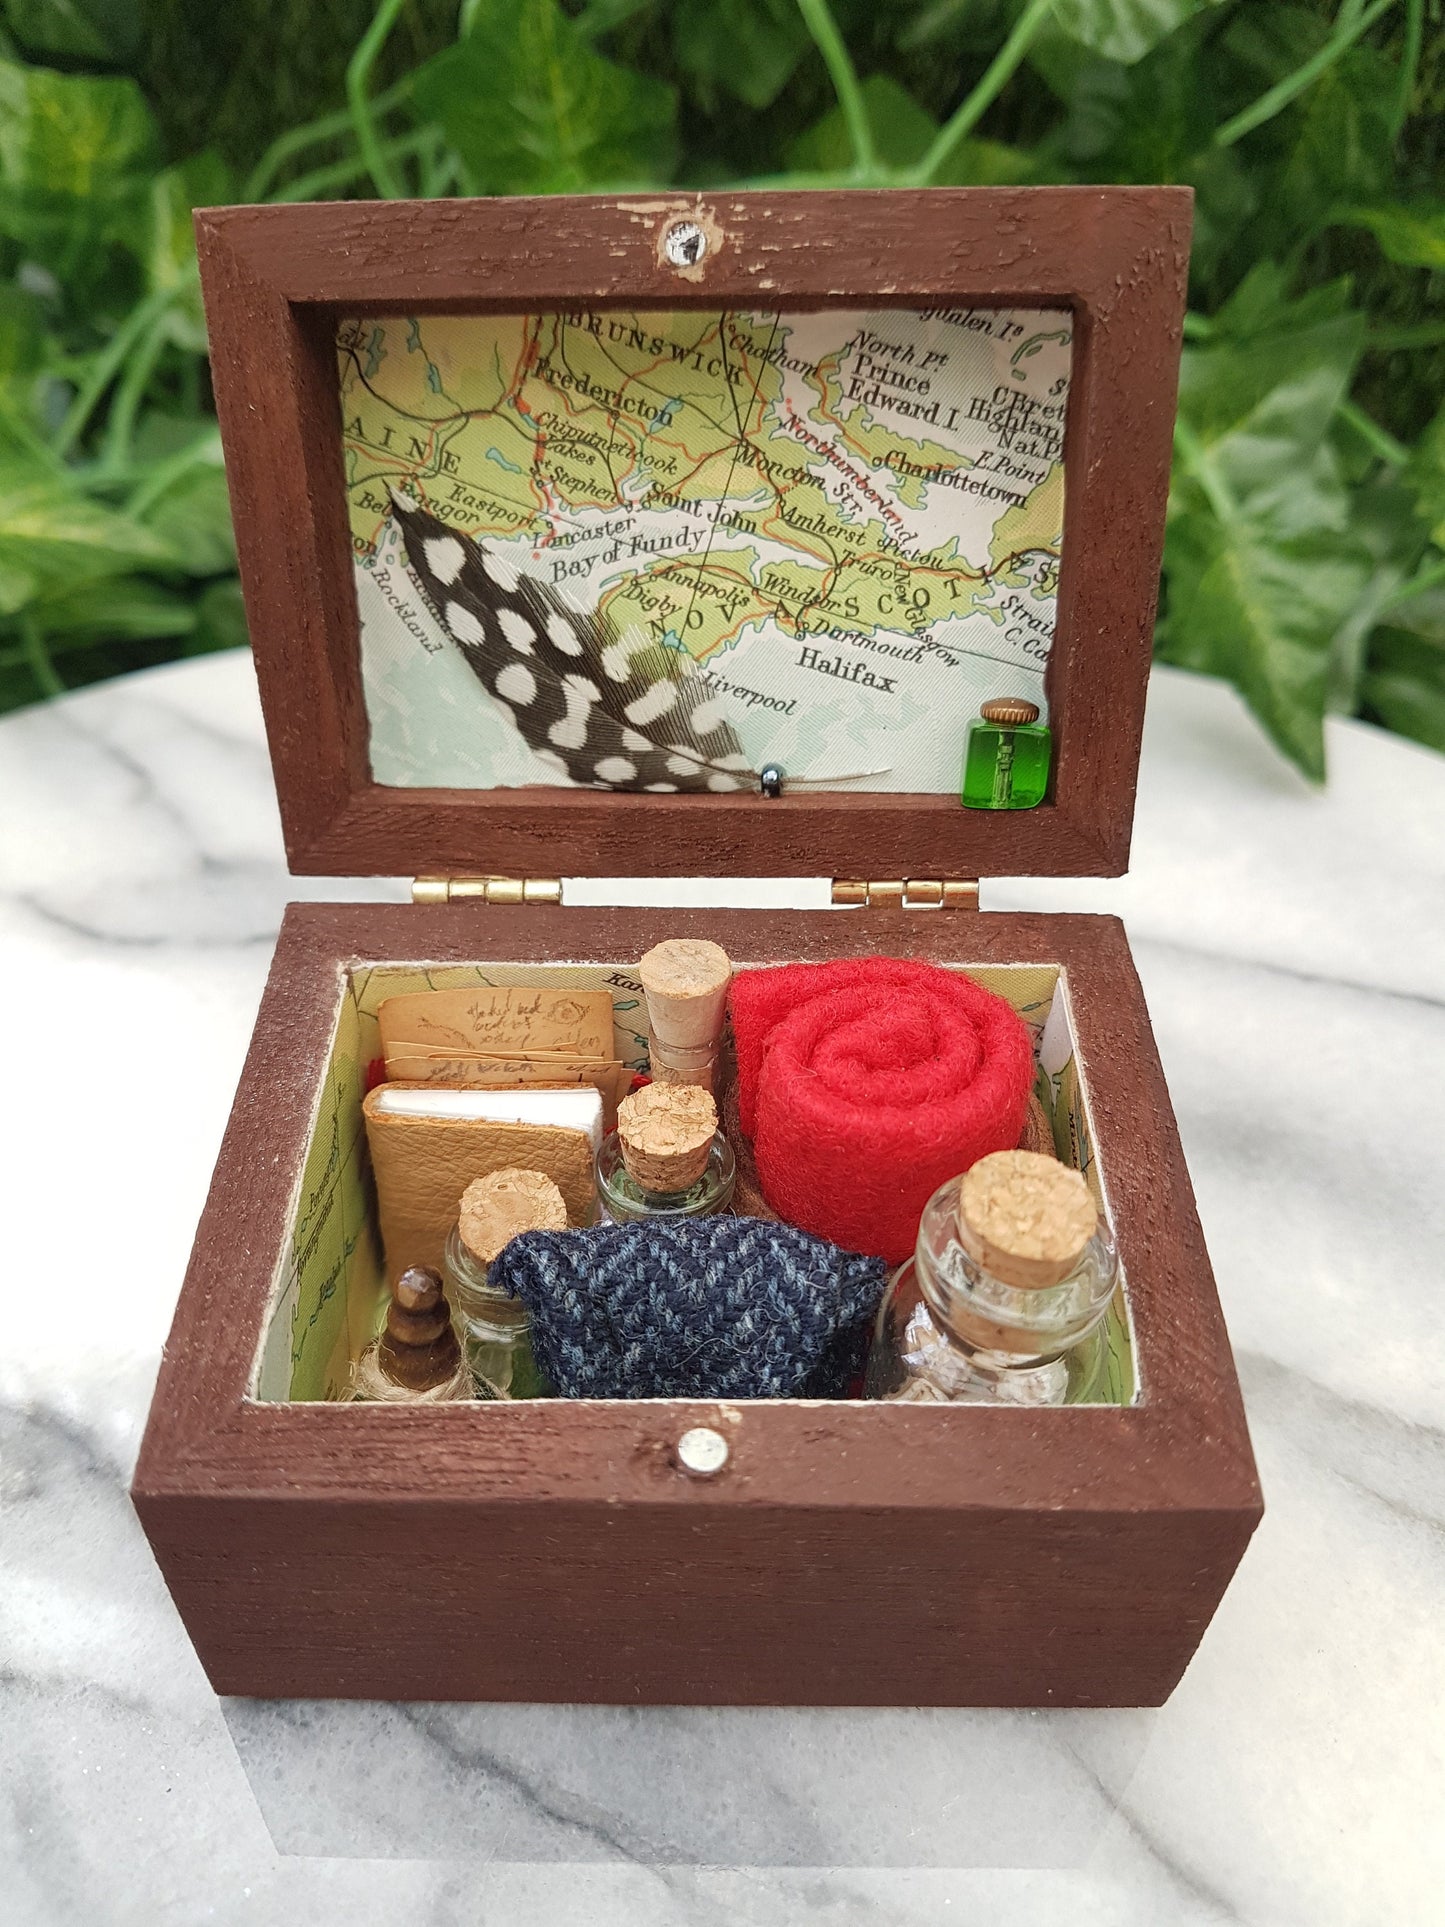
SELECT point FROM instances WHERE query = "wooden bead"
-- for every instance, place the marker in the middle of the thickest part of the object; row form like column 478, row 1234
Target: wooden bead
column 418, row 1348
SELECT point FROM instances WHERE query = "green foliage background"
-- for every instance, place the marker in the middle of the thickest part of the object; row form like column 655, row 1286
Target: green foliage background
column 1306, row 545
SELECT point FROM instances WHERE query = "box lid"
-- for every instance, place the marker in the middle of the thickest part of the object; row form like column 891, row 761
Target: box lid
column 837, row 498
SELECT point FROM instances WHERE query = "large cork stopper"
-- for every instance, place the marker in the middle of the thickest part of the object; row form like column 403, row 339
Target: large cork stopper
column 666, row 1133
column 497, row 1208
column 685, row 982
column 1025, row 1218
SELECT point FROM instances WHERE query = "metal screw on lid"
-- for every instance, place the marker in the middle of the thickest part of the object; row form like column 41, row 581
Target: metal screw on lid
column 702, row 1451
column 684, row 244
column 1012, row 711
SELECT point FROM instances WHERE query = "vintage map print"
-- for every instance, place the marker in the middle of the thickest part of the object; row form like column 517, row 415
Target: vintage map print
column 837, row 533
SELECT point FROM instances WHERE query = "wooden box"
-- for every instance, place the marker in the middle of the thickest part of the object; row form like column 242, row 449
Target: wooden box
column 851, row 1552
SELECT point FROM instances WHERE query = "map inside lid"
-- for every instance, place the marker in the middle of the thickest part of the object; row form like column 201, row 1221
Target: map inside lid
column 661, row 551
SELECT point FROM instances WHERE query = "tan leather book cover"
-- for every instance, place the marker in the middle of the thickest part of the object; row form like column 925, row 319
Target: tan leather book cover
column 422, row 1166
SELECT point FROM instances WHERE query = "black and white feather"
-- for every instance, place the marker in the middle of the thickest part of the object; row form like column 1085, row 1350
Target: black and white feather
column 607, row 710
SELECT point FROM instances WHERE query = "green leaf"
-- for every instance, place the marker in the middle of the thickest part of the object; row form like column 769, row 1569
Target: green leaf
column 985, row 163
column 531, row 109
column 902, row 135
column 74, row 157
column 1424, row 476
column 1404, row 684
column 53, row 537
column 1384, row 527
column 104, row 30
column 1332, row 144
column 1262, row 340
column 192, row 517
column 748, row 48
column 24, row 351
column 17, row 586
column 202, row 181
column 1412, row 233
column 597, row 18
column 220, row 620
column 1262, row 393
column 129, row 608
column 1146, row 122
column 1270, row 584
column 1263, row 610
column 1342, row 141
column 902, row 131
column 1125, row 30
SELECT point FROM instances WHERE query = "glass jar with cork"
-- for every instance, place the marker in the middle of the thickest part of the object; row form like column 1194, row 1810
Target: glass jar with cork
column 493, row 1326
column 685, row 984
column 1004, row 1298
column 667, row 1158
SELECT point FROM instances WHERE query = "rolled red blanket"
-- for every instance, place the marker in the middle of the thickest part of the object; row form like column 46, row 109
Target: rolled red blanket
column 864, row 1084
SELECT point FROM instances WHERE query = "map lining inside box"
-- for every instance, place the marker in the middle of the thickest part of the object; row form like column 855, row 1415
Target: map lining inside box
column 839, row 531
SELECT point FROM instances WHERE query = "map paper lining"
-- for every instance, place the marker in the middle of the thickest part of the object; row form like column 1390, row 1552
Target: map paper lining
column 850, row 524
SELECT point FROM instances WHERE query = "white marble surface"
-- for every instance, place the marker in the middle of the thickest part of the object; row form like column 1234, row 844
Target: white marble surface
column 1293, row 950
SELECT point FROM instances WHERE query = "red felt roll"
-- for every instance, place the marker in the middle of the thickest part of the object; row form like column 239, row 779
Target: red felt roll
column 865, row 1083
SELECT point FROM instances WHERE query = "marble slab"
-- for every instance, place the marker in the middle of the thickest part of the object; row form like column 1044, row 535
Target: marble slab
column 1292, row 946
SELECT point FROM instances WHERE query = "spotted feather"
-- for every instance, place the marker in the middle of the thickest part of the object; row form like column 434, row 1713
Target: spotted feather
column 609, row 711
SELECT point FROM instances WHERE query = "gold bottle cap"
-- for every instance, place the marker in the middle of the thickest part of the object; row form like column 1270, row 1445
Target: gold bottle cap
column 496, row 1208
column 1011, row 711
column 1025, row 1218
column 666, row 1133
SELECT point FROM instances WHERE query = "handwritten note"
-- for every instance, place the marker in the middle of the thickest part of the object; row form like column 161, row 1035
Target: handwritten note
column 498, row 1020
column 503, row 1037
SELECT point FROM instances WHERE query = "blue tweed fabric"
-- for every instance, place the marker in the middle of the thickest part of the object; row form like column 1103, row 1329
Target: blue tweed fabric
column 703, row 1308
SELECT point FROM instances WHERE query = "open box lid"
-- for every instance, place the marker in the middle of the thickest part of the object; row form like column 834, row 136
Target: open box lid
column 933, row 380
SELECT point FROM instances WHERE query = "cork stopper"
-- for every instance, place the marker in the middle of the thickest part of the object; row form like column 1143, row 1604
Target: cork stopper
column 666, row 1133
column 418, row 1349
column 1025, row 1218
column 495, row 1209
column 685, row 982
column 1011, row 711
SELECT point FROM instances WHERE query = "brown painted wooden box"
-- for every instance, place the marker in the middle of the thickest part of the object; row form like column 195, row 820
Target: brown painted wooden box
column 851, row 1552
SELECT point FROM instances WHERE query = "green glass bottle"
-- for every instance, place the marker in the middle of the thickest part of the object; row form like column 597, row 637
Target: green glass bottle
column 1006, row 765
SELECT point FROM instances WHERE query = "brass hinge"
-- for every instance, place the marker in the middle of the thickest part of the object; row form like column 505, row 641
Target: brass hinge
column 486, row 890
column 907, row 893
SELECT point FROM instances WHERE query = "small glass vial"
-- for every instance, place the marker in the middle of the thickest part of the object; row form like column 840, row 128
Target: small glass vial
column 685, row 983
column 1004, row 1299
column 1006, row 764
column 667, row 1158
column 493, row 1326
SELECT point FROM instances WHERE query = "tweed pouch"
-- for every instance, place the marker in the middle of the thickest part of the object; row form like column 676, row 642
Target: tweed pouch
column 705, row 1308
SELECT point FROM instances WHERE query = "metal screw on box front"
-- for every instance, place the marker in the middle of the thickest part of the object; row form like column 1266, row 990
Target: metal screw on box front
column 702, row 1452
column 684, row 244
